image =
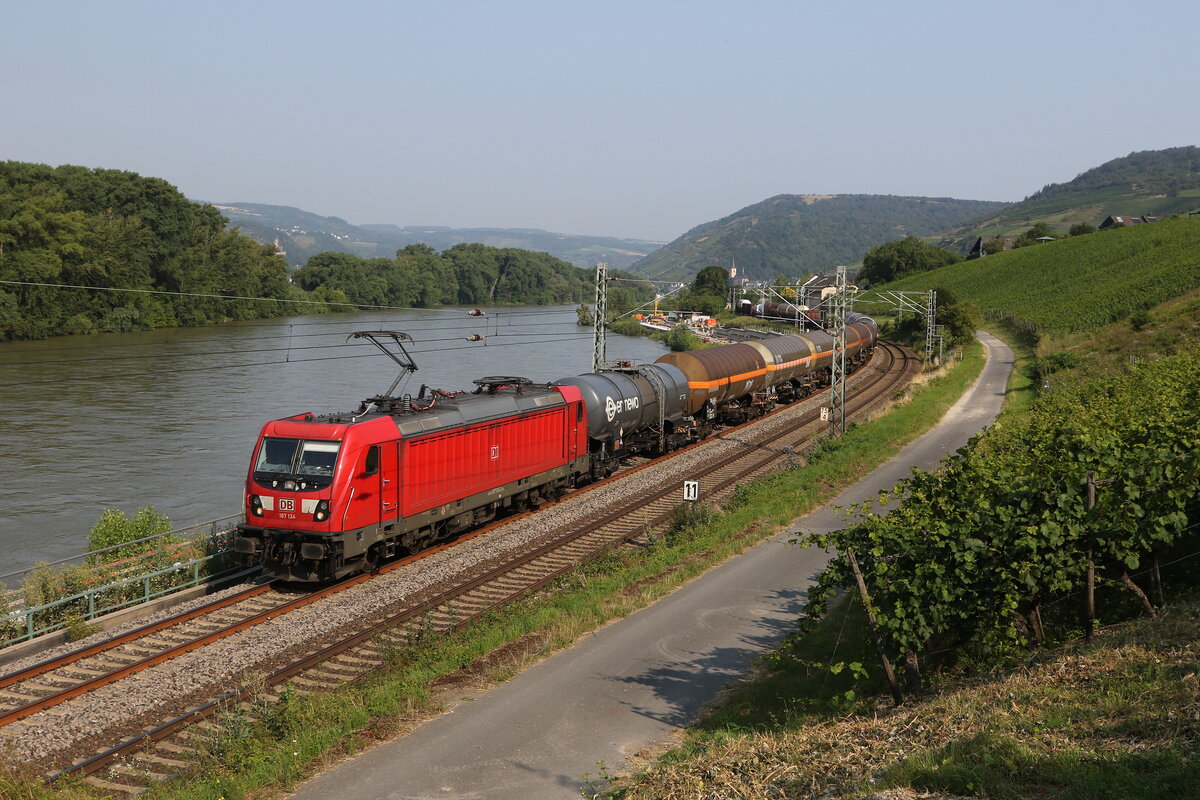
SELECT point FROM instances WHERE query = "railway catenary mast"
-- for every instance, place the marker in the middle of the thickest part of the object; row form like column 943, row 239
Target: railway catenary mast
column 839, row 305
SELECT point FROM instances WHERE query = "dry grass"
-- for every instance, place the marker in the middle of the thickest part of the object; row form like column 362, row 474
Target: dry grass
column 1120, row 719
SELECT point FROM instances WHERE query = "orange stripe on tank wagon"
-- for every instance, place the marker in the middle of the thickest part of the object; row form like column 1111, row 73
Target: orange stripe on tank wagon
column 768, row 368
column 725, row 381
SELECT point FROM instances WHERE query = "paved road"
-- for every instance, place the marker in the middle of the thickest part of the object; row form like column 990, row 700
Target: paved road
column 636, row 681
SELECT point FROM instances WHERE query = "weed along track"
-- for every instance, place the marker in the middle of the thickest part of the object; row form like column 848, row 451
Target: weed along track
column 159, row 714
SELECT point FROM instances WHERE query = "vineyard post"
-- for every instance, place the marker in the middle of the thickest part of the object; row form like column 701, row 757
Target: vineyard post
column 1156, row 585
column 866, row 600
column 1089, row 623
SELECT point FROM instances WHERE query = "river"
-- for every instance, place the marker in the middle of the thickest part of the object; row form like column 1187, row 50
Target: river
column 169, row 417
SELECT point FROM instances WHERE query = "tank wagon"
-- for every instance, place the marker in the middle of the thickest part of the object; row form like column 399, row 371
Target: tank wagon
column 330, row 495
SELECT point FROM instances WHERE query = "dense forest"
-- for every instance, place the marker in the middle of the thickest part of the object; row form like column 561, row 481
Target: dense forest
column 463, row 274
column 99, row 230
column 108, row 228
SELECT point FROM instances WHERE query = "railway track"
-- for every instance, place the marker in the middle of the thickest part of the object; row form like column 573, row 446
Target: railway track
column 168, row 748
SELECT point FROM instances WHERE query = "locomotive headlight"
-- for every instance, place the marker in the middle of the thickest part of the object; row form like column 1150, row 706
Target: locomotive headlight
column 322, row 512
column 289, row 485
column 256, row 507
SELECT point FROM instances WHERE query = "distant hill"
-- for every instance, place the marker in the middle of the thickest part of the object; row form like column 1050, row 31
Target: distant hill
column 795, row 234
column 1158, row 182
column 302, row 234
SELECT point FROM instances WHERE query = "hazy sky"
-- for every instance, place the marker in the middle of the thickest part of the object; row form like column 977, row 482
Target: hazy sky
column 636, row 119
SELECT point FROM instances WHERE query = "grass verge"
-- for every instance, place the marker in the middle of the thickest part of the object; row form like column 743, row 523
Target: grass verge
column 272, row 748
column 1022, row 390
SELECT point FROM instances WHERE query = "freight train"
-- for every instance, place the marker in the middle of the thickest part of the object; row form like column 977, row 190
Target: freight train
column 776, row 310
column 330, row 495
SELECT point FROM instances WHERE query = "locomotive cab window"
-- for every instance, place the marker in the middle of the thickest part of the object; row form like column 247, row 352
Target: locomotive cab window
column 295, row 464
column 372, row 465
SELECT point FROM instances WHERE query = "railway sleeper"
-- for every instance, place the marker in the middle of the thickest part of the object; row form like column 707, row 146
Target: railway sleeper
column 131, row 771
column 345, row 671
column 310, row 682
column 82, row 671
column 364, row 662
column 174, row 763
column 57, row 681
column 40, row 688
column 111, row 786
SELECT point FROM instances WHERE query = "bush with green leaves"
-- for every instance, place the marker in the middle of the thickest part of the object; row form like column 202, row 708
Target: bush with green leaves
column 971, row 551
column 680, row 338
column 9, row 628
column 114, row 528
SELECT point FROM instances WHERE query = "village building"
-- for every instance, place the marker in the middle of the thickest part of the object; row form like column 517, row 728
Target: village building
column 1115, row 221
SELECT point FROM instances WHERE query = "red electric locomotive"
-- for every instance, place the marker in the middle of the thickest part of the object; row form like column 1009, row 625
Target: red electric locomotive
column 332, row 495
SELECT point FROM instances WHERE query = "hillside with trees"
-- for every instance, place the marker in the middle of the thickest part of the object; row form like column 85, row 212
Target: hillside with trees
column 906, row 256
column 466, row 274
column 108, row 228
column 799, row 234
column 1149, row 182
column 302, row 234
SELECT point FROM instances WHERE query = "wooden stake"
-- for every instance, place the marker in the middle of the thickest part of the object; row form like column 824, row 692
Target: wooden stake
column 866, row 601
column 1089, row 603
column 1156, row 582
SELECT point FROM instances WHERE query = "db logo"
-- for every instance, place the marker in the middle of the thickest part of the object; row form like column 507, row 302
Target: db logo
column 287, row 504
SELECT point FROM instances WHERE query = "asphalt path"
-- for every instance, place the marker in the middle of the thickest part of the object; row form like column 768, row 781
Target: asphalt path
column 635, row 682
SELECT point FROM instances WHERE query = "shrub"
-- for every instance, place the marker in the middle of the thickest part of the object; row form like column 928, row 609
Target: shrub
column 114, row 528
column 79, row 628
column 680, row 338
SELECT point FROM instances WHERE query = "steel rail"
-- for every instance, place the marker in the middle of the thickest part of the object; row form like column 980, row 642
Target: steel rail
column 66, row 659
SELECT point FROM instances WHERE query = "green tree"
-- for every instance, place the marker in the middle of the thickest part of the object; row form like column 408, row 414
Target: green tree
column 1031, row 236
column 893, row 260
column 107, row 228
column 1081, row 229
column 680, row 338
column 783, row 287
column 711, row 280
column 114, row 528
column 707, row 304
